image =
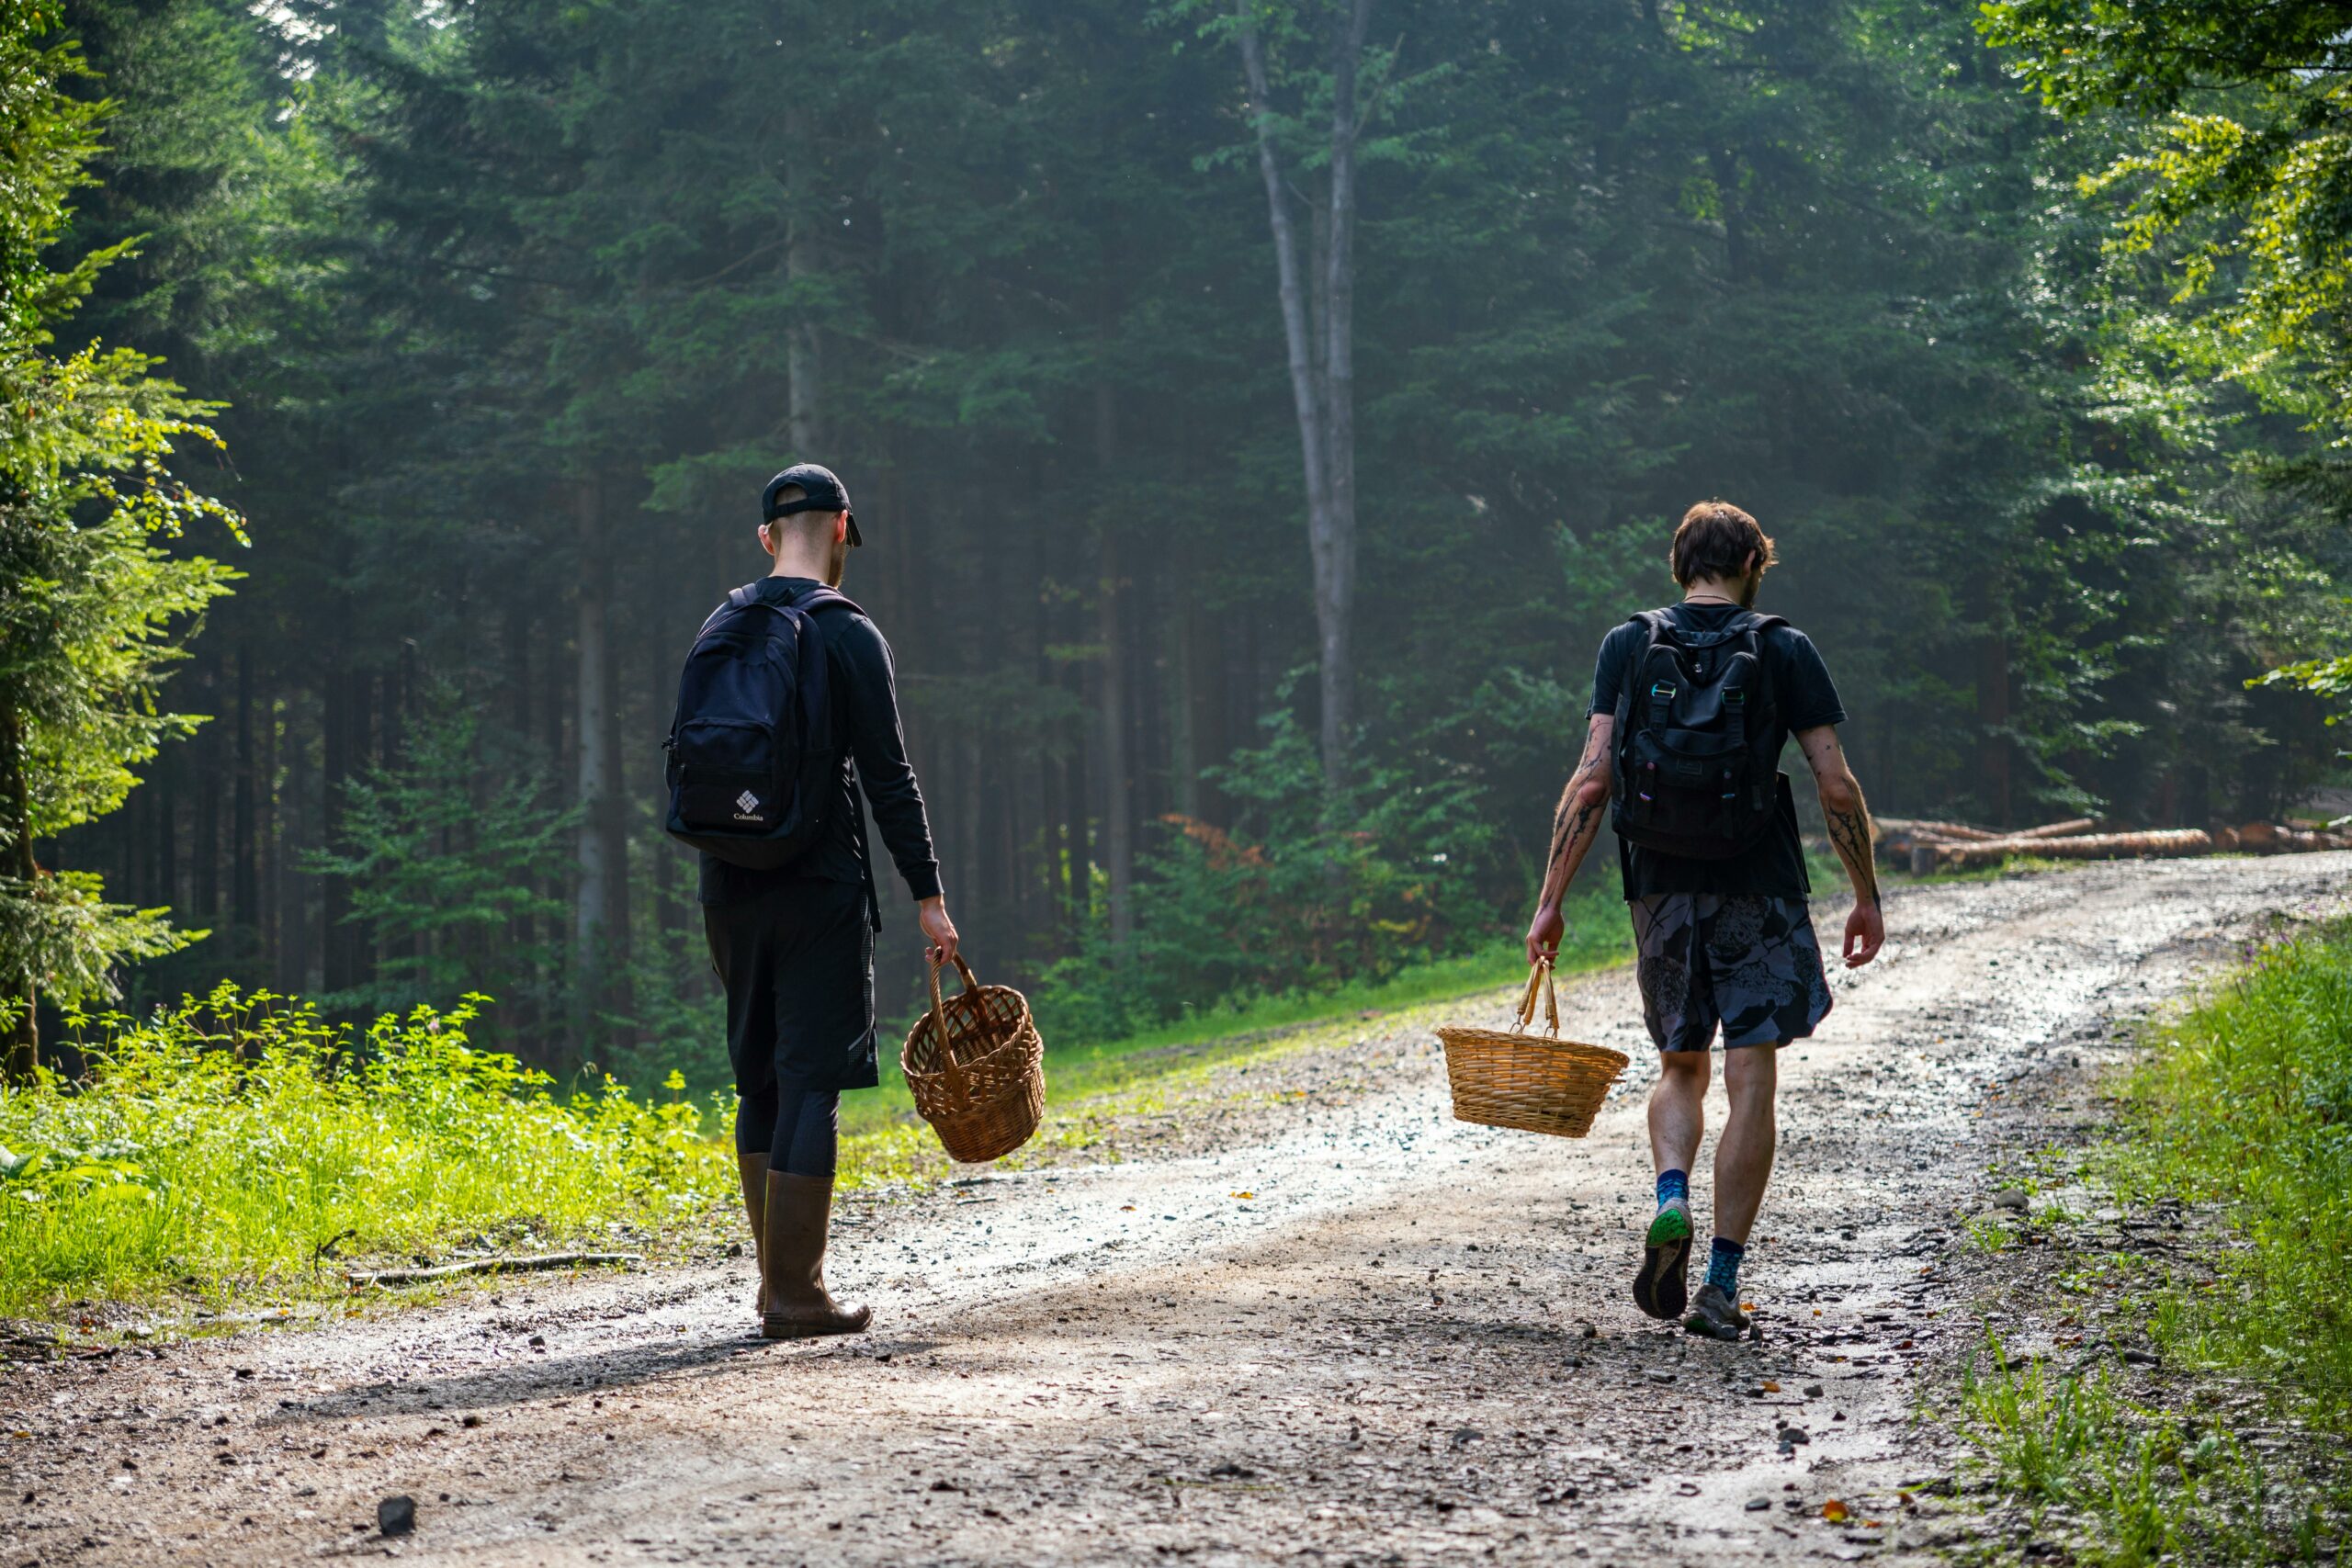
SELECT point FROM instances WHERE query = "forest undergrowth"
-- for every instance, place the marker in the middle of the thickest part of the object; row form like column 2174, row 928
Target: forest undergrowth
column 2208, row 1421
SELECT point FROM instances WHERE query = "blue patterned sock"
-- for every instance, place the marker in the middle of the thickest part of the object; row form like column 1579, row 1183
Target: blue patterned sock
column 1673, row 1184
column 1722, row 1266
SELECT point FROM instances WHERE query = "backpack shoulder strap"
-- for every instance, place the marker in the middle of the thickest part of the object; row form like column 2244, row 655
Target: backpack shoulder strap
column 822, row 598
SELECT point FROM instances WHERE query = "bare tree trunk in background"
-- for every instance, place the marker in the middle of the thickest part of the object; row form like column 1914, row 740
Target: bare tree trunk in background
column 800, row 362
column 244, row 872
column 591, row 896
column 1992, row 717
column 23, row 1049
column 1335, row 555
column 206, row 863
column 347, row 720
column 1119, row 783
column 1318, row 331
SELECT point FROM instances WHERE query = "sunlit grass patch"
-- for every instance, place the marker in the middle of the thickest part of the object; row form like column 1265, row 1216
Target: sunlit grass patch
column 2235, row 1127
column 239, row 1146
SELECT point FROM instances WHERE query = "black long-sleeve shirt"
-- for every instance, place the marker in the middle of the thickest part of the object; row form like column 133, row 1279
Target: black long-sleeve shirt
column 864, row 688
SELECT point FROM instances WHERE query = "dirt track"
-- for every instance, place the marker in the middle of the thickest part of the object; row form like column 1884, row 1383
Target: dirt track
column 1410, row 1342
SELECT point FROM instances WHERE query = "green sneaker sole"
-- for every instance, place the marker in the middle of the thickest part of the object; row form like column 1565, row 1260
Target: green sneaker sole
column 1661, row 1289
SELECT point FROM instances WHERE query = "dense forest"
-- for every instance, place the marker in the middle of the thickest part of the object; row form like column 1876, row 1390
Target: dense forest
column 1255, row 416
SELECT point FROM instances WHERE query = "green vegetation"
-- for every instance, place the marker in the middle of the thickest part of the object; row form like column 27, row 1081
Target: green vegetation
column 2246, row 1103
column 95, row 599
column 2238, row 1113
column 237, row 1147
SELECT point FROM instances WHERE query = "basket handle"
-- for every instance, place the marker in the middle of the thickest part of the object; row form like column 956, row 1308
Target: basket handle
column 1539, row 979
column 947, row 1064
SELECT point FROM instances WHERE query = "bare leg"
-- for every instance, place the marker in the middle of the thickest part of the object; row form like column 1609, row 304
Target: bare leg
column 1678, row 1109
column 1744, row 1153
column 753, row 1171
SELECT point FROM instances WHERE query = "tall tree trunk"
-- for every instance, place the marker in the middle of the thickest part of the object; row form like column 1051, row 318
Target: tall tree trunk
column 593, row 895
column 1992, row 717
column 1319, row 339
column 245, row 869
column 23, row 1046
column 206, row 860
column 1335, row 547
column 1111, row 710
column 800, row 362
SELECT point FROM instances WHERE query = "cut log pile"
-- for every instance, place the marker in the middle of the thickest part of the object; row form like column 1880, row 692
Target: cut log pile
column 1925, row 846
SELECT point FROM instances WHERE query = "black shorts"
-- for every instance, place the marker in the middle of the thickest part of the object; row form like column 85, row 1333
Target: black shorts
column 797, row 962
column 1747, row 961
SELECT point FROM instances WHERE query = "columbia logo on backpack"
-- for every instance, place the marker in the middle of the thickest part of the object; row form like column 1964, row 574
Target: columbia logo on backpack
column 754, row 763
column 1692, row 777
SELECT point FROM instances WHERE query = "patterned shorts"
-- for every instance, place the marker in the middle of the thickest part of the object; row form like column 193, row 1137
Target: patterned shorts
column 1747, row 961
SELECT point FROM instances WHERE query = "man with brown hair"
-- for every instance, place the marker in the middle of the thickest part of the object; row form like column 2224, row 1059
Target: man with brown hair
column 1692, row 706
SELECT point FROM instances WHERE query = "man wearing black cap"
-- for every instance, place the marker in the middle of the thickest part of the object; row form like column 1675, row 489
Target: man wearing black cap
column 794, row 946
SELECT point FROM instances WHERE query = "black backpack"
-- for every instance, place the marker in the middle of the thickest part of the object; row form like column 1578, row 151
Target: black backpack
column 755, row 764
column 1694, row 719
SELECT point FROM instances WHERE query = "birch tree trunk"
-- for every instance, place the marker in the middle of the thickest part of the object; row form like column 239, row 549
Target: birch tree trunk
column 1319, row 334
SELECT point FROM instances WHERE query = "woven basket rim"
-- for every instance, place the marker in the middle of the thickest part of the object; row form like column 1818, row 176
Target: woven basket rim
column 1471, row 1032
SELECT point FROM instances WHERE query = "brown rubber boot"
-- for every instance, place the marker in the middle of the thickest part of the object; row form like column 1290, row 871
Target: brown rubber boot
column 799, row 1212
column 754, row 1169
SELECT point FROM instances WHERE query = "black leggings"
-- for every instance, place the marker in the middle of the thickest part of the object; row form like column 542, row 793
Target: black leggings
column 796, row 1127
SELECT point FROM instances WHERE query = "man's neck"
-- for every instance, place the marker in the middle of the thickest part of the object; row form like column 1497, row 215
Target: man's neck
column 1714, row 590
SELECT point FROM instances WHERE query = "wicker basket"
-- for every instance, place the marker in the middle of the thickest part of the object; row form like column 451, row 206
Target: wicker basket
column 1533, row 1082
column 976, row 1068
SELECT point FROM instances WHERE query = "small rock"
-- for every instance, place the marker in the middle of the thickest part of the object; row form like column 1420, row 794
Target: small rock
column 537, row 1341
column 1586, row 1331
column 1659, row 1374
column 1233, row 1472
column 2010, row 1198
column 468, row 1420
column 1794, row 1435
column 2143, row 1358
column 396, row 1516
column 1757, row 1505
column 1813, row 1391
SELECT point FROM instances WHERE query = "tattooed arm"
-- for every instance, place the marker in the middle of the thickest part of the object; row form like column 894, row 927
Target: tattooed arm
column 1575, row 825
column 1850, row 834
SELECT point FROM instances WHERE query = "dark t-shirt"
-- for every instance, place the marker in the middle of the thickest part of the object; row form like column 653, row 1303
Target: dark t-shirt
column 1802, row 698
column 863, row 686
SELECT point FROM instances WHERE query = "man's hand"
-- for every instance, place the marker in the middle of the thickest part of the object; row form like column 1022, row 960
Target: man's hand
column 932, row 915
column 1543, row 934
column 1865, row 933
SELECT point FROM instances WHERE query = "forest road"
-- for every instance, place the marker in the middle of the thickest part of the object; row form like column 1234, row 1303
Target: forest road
column 1331, row 1326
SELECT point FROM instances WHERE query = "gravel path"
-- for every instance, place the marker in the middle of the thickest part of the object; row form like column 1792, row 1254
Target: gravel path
column 1313, row 1319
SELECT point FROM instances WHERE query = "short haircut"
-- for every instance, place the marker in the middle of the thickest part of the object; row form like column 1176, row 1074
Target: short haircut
column 806, row 521
column 1715, row 540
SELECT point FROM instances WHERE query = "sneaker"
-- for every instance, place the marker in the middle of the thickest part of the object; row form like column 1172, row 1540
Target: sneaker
column 1715, row 1315
column 1662, row 1286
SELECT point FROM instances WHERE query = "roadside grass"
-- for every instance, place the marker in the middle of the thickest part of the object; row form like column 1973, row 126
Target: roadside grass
column 2230, row 1449
column 239, row 1147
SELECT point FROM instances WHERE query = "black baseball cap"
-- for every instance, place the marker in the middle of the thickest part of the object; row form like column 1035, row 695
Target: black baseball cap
column 822, row 490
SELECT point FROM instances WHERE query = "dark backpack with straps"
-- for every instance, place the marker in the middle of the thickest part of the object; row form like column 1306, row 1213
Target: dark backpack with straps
column 754, row 763
column 1693, row 776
